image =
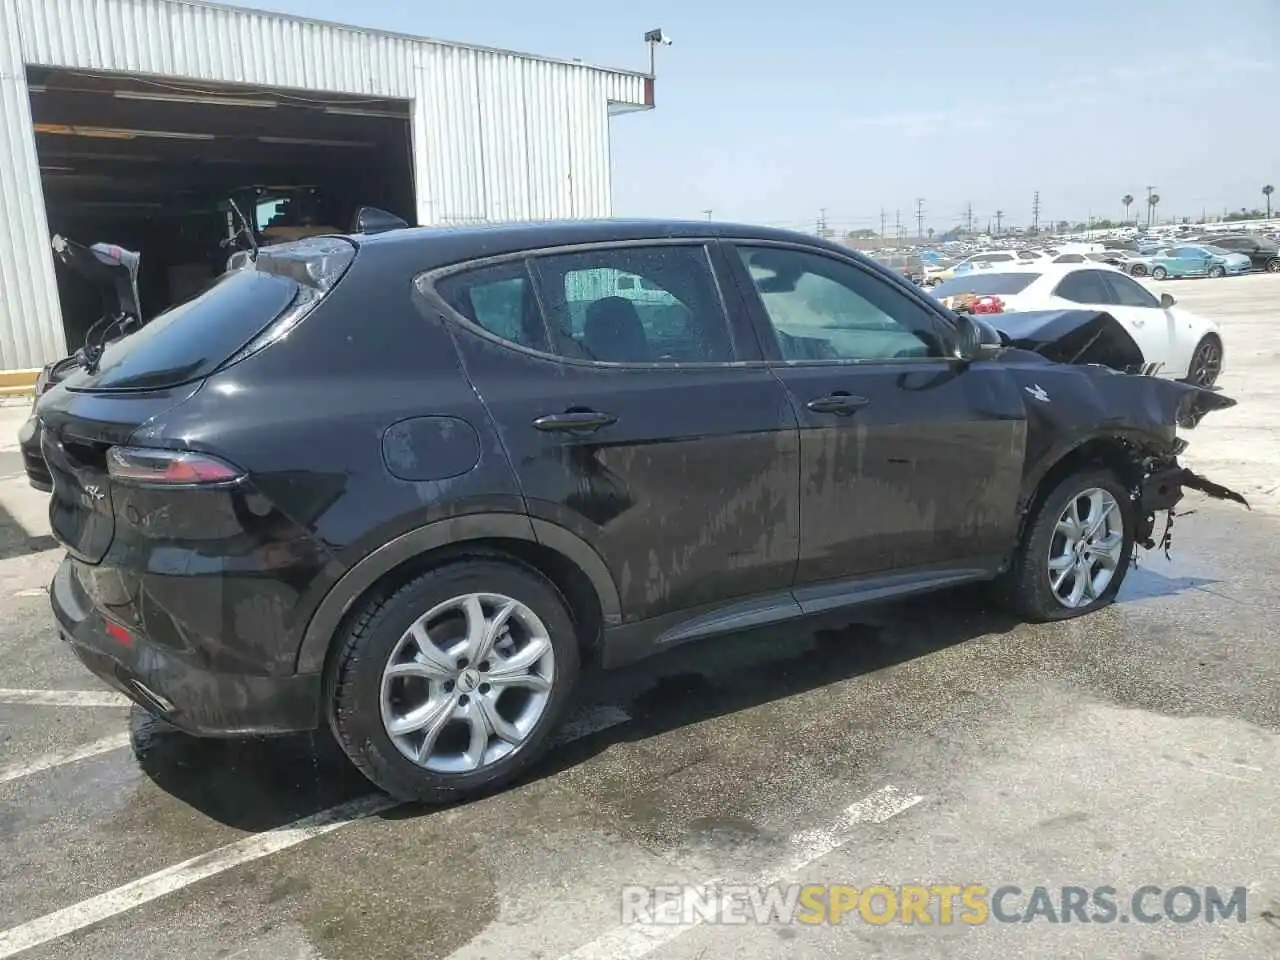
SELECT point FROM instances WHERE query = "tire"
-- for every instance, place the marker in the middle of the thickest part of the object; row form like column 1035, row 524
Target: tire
column 1159, row 273
column 1138, row 270
column 1206, row 362
column 1273, row 266
column 1026, row 587
column 379, row 636
column 1217, row 272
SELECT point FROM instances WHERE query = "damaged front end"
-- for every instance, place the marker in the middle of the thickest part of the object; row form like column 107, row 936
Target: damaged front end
column 1087, row 400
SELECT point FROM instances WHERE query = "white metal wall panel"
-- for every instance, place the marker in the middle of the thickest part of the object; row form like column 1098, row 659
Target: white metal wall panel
column 30, row 317
column 497, row 135
column 195, row 41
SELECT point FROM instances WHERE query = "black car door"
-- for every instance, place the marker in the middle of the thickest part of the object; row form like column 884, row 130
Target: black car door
column 910, row 460
column 637, row 417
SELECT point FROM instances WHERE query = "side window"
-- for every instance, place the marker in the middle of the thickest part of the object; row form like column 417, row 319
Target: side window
column 1070, row 258
column 499, row 299
column 824, row 309
column 1130, row 293
column 635, row 305
column 1084, row 286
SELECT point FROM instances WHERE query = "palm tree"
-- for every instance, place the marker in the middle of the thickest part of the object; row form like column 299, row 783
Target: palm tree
column 1127, row 200
column 1152, row 200
column 1266, row 192
column 930, row 231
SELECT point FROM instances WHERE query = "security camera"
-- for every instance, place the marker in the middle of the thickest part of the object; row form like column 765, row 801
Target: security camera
column 657, row 36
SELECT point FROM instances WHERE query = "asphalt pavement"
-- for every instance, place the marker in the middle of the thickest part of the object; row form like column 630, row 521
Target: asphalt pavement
column 932, row 743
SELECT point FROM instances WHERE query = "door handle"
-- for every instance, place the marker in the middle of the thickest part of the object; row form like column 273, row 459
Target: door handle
column 572, row 420
column 840, row 403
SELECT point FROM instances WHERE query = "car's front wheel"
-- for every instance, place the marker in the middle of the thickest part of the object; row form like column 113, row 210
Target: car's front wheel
column 1217, row 272
column 1206, row 363
column 451, row 687
column 1273, row 266
column 1159, row 273
column 1076, row 548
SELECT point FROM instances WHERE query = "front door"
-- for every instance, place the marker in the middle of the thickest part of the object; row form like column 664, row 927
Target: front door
column 1137, row 310
column 636, row 417
column 909, row 458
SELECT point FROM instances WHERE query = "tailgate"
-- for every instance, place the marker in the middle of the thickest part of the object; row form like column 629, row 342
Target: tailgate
column 77, row 429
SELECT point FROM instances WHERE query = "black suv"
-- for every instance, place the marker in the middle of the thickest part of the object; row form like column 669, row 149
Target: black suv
column 404, row 485
column 1263, row 252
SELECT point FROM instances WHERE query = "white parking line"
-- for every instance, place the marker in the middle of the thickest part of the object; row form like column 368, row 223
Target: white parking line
column 51, row 760
column 65, row 698
column 104, row 906
column 635, row 941
column 78, row 916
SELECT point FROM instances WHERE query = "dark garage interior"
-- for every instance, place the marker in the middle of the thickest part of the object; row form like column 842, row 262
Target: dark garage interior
column 150, row 164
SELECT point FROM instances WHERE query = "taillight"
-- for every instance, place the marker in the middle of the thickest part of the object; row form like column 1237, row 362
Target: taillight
column 172, row 467
column 988, row 304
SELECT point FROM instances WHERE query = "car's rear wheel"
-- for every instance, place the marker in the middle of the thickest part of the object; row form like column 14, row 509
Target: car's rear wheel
column 1217, row 272
column 1076, row 549
column 1138, row 270
column 1159, row 273
column 1206, row 363
column 451, row 687
column 1273, row 266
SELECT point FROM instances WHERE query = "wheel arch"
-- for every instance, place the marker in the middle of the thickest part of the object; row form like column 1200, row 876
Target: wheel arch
column 569, row 562
column 1102, row 450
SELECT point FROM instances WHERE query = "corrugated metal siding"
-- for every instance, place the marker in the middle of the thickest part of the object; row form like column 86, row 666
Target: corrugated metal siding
column 30, row 316
column 497, row 135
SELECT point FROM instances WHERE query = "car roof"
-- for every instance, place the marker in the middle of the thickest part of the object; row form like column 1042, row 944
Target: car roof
column 431, row 247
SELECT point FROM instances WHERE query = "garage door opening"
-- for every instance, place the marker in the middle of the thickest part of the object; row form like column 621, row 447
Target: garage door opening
column 152, row 165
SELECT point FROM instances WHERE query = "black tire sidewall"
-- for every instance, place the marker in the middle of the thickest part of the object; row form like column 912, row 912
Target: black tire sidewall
column 355, row 704
column 1195, row 362
column 1037, row 595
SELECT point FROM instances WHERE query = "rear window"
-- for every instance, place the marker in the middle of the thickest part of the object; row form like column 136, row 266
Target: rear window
column 986, row 284
column 190, row 341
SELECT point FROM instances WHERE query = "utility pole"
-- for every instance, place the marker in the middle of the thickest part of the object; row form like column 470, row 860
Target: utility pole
column 999, row 217
column 822, row 222
column 968, row 217
column 708, row 213
column 1035, row 212
column 882, row 223
column 897, row 228
column 920, row 219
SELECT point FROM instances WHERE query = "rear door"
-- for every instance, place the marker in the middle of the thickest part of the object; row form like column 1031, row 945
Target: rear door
column 910, row 461
column 637, row 415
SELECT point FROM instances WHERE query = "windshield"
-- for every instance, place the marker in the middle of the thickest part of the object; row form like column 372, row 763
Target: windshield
column 1217, row 251
column 985, row 284
column 192, row 340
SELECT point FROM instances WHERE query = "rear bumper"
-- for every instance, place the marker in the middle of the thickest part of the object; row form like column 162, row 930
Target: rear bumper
column 32, row 458
column 196, row 700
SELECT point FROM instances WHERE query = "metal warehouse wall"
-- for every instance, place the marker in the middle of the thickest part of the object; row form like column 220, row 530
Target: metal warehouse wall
column 497, row 135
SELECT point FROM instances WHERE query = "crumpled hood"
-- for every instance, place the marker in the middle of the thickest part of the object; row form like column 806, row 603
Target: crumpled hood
column 1071, row 336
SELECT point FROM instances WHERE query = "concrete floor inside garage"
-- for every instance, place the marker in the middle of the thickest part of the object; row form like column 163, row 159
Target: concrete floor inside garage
column 917, row 743
column 149, row 163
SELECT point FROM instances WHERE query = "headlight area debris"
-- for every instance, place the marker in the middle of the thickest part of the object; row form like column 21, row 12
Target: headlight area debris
column 1164, row 487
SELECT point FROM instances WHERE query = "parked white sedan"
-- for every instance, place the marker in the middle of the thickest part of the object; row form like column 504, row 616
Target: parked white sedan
column 1177, row 344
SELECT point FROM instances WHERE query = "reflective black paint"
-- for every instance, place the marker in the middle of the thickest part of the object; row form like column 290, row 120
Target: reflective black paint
column 708, row 498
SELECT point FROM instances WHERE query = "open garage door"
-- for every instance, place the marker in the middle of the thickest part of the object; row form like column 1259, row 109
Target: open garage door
column 151, row 164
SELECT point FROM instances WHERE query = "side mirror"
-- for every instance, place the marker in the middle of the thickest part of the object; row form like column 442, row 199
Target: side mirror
column 1167, row 301
column 976, row 339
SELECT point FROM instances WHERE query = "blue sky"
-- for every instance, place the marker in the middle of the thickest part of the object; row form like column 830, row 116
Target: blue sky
column 770, row 111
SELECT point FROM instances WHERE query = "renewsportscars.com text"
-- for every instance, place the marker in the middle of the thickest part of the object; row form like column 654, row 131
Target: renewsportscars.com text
column 930, row 904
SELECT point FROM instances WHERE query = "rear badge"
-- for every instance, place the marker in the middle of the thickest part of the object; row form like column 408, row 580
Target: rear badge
column 1038, row 392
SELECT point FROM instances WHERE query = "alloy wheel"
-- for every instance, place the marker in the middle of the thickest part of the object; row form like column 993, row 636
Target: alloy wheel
column 1085, row 550
column 1273, row 266
column 1206, row 364
column 467, row 683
